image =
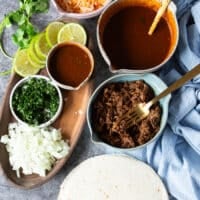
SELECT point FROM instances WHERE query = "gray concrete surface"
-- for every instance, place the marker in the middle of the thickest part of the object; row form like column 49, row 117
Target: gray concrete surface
column 84, row 148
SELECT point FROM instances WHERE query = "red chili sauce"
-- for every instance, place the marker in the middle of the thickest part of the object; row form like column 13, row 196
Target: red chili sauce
column 127, row 43
column 70, row 65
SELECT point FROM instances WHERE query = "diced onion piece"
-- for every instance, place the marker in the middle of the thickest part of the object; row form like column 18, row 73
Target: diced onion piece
column 34, row 149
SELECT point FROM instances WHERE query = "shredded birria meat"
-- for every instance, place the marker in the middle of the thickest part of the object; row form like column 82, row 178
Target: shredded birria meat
column 80, row 6
column 113, row 102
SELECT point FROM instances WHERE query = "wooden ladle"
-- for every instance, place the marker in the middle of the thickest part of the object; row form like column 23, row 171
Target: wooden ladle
column 158, row 16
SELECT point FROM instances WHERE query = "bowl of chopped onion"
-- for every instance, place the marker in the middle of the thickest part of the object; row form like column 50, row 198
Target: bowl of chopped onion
column 80, row 9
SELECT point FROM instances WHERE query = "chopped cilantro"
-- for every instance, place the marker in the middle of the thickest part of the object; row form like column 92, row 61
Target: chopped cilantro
column 36, row 101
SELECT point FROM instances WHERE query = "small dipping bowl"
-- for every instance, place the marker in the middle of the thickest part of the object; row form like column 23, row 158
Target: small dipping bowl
column 123, row 40
column 20, row 84
column 150, row 79
column 70, row 65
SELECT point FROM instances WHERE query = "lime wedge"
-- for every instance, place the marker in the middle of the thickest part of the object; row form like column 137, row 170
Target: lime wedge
column 72, row 32
column 41, row 46
column 52, row 32
column 21, row 64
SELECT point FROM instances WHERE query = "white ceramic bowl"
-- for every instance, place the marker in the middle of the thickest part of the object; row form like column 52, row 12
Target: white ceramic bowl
column 52, row 75
column 118, row 5
column 81, row 15
column 153, row 81
column 20, row 83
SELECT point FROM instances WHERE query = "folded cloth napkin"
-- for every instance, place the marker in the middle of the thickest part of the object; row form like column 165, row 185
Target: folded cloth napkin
column 175, row 156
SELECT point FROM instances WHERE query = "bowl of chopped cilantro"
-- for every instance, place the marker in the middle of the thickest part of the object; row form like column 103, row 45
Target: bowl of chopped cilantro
column 36, row 100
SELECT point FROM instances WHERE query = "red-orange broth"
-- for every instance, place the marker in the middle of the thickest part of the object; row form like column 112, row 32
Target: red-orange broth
column 70, row 65
column 127, row 43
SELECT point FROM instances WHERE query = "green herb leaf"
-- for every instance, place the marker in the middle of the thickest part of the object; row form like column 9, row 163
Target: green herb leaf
column 6, row 72
column 21, row 18
column 41, row 6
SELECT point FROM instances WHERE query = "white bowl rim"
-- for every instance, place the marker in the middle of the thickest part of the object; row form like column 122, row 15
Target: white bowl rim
column 86, row 15
column 21, row 82
column 156, row 136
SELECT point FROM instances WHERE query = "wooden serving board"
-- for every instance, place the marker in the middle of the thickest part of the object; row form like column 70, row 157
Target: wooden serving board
column 71, row 122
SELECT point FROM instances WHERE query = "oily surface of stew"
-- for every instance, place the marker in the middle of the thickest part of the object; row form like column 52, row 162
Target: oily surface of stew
column 113, row 101
column 127, row 43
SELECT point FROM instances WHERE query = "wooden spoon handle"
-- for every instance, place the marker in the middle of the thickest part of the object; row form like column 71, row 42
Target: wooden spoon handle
column 158, row 16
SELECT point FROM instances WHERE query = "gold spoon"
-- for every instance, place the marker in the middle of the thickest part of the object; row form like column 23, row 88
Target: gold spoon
column 141, row 110
column 158, row 16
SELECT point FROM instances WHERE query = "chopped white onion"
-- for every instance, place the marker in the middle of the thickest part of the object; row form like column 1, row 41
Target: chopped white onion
column 33, row 149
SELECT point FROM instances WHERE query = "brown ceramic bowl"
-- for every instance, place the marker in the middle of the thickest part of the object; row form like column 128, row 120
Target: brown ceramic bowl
column 123, row 40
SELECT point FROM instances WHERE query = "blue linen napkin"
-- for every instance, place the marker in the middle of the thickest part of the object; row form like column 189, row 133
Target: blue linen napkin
column 175, row 156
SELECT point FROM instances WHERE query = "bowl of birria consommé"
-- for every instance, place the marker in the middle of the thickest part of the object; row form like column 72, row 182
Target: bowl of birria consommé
column 36, row 100
column 123, row 39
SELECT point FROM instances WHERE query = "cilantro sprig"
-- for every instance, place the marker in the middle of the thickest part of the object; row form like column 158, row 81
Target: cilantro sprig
column 21, row 18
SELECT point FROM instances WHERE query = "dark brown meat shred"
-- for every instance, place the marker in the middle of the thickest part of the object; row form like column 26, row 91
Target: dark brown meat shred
column 113, row 102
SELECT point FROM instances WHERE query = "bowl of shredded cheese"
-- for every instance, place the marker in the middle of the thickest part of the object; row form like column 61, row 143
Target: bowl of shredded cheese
column 80, row 9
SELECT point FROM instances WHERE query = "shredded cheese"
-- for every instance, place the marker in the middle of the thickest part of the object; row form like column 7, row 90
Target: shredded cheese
column 80, row 6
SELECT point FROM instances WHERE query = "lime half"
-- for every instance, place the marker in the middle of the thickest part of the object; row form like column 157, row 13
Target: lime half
column 52, row 32
column 21, row 64
column 72, row 32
